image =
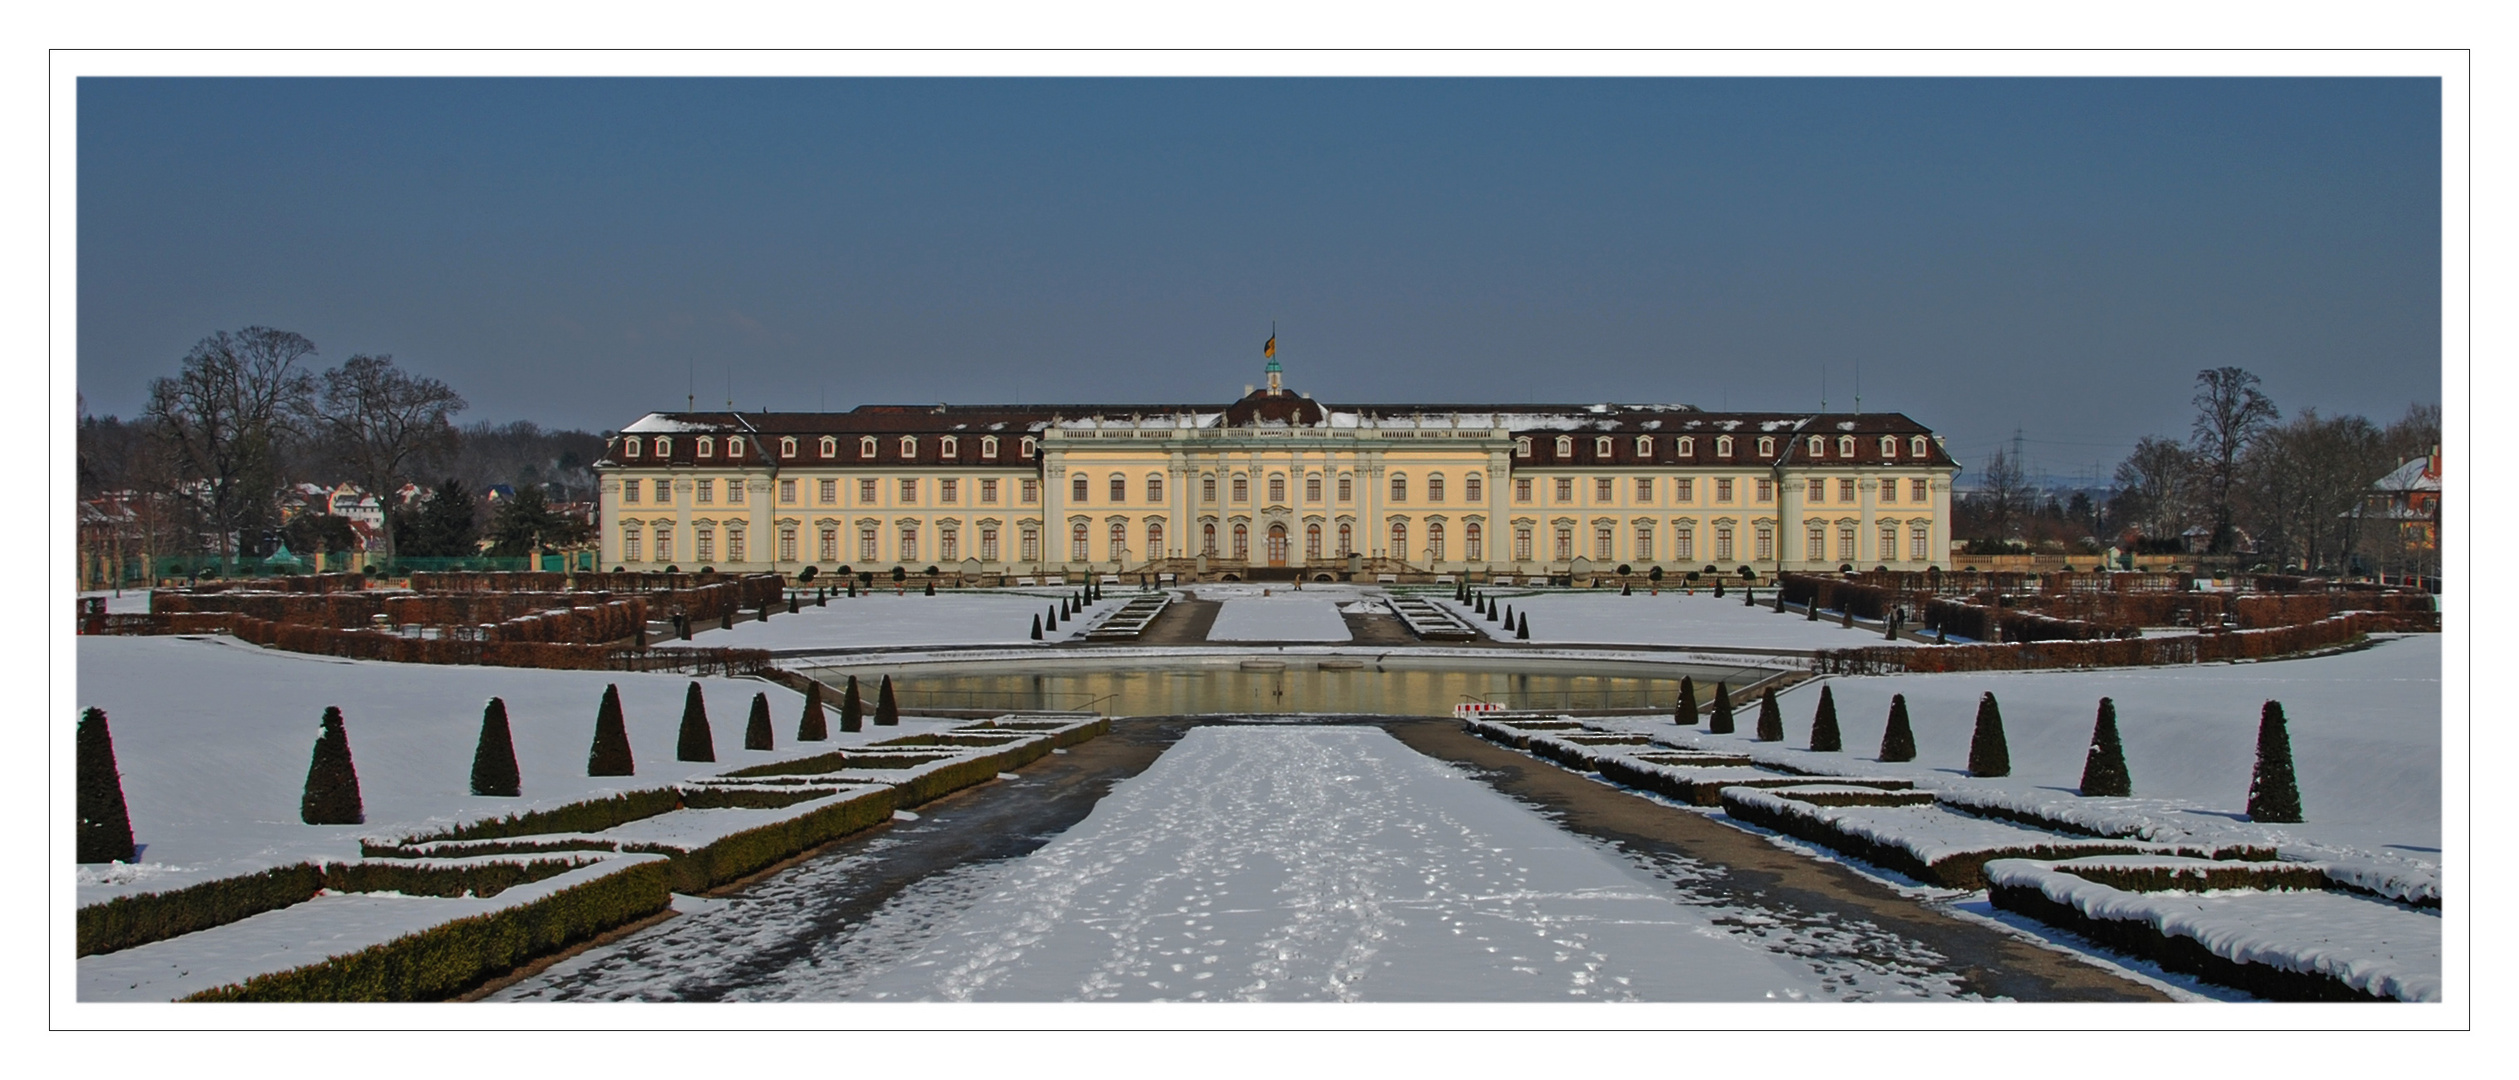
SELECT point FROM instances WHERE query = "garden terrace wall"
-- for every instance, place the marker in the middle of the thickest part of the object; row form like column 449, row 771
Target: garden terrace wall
column 1988, row 623
column 1866, row 600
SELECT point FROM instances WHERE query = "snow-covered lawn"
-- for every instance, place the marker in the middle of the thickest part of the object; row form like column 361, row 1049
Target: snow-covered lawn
column 880, row 619
column 1279, row 612
column 2365, row 731
column 1328, row 864
column 1673, row 618
column 131, row 602
column 213, row 738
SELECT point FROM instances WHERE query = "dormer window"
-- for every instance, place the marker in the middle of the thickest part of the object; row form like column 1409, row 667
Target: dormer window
column 830, row 446
column 1889, row 446
column 664, row 446
column 1565, row 446
column 1916, row 447
column 1819, row 446
column 708, row 446
column 1722, row 446
column 629, row 446
column 787, row 446
column 1601, row 448
column 1687, row 446
column 734, row 446
column 1845, row 446
column 909, row 446
column 1766, row 446
column 949, row 446
column 1522, row 447
column 1027, row 447
column 988, row 447
column 1644, row 446
column 866, row 446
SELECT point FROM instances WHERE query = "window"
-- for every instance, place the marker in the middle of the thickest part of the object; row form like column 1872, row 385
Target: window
column 1766, row 542
column 949, row 545
column 1207, row 489
column 1119, row 541
column 1684, row 543
column 830, row 446
column 629, row 544
column 909, row 447
column 909, row 491
column 1241, row 541
column 629, row 446
column 1644, row 446
column 949, row 446
column 829, row 540
column 1312, row 488
column 1434, row 541
column 734, row 446
column 988, row 491
column 865, row 491
column 1723, row 490
column 1346, row 489
column 866, row 446
column 630, row 489
column 787, row 543
column 1601, row 490
column 1474, row 488
column 1916, row 447
column 1434, row 489
column 787, row 491
column 866, row 544
column 1312, row 540
column 988, row 533
column 1889, row 449
column 1565, row 447
column 1815, row 491
column 909, row 542
column 1119, row 488
column 1722, row 543
column 1687, row 446
column 1644, row 543
column 1845, row 543
column 1154, row 539
column 1399, row 540
column 1521, row 489
column 1399, row 489
column 1845, row 446
column 1241, row 489
column 1766, row 446
column 1154, row 487
column 1077, row 538
column 735, row 489
column 664, row 447
column 704, row 491
column 988, row 450
column 1031, row 491
column 1889, row 492
column 1917, row 537
column 1031, row 544
column 1601, row 544
column 664, row 542
column 1473, row 542
column 1845, row 490
column 1602, row 447
column 734, row 545
column 949, row 490
column 1521, row 543
column 1028, row 446
column 704, row 544
column 1521, row 447
column 1818, row 542
column 1207, row 539
column 707, row 446
column 1723, row 446
column 1565, row 489
column 787, row 446
column 1565, row 543
column 1819, row 446
column 1889, row 541
column 1766, row 490
column 1276, row 489
column 1346, row 540
column 1918, row 491
column 1078, row 487
column 1644, row 489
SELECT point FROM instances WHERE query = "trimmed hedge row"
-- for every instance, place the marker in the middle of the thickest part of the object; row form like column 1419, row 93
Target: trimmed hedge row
column 125, row 921
column 443, row 961
column 2202, row 877
column 1955, row 870
column 734, row 855
column 589, row 816
column 2175, row 953
column 2343, row 629
column 1984, row 623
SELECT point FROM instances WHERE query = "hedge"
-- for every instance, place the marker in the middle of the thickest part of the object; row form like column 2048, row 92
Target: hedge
column 2348, row 628
column 443, row 961
column 734, row 855
column 2175, row 953
column 125, row 921
column 590, row 816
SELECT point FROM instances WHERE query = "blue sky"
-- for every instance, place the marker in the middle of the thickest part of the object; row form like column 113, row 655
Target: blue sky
column 2054, row 256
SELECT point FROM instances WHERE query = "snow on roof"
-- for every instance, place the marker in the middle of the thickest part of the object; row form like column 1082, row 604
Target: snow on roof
column 2410, row 477
column 1845, row 425
column 659, row 423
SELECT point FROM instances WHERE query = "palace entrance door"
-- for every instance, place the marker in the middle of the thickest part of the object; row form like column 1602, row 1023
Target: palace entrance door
column 1277, row 545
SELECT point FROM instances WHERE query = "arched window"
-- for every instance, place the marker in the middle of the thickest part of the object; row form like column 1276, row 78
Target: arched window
column 1399, row 540
column 1889, row 449
column 1602, row 447
column 949, row 446
column 1474, row 488
column 1684, row 543
column 787, row 446
column 1565, row 446
column 1522, row 447
column 830, row 449
column 1845, row 446
column 1077, row 538
column 909, row 446
column 707, row 446
column 630, row 543
column 1434, row 541
column 1119, row 488
column 1687, row 446
column 1079, row 488
column 1154, row 493
column 1819, row 447
column 1644, row 446
column 909, row 541
column 664, row 446
column 1473, row 542
column 948, row 544
column 734, row 446
column 1241, row 541
column 1119, row 541
column 1028, row 446
column 1312, row 541
column 1766, row 446
column 1521, row 543
column 866, row 446
column 1207, row 539
column 1154, row 539
column 1434, row 488
column 1565, row 543
column 1722, row 446
column 1916, row 447
column 1399, row 488
column 630, row 446
column 988, row 446
column 1346, row 540
column 1722, row 543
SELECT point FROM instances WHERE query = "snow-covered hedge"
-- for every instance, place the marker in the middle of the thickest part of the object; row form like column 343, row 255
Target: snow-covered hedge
column 126, row 921
column 1933, row 845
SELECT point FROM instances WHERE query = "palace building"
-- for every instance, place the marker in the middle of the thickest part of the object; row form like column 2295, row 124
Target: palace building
column 1276, row 486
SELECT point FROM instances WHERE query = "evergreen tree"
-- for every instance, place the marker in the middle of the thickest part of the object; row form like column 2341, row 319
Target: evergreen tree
column 1627, row 589
column 931, row 586
column 1898, row 742
column 1810, row 608
column 494, row 757
column 1508, row 616
column 1824, row 734
column 332, row 782
column 1036, row 628
column 756, row 728
column 1770, row 718
column 852, row 708
column 1052, row 624
column 1988, row 754
column 1721, row 724
column 610, row 755
column 887, row 710
column 2273, row 790
column 1523, row 631
column 1685, row 711
column 696, row 743
column 2103, row 769
column 1718, row 588
column 812, row 727
column 104, row 819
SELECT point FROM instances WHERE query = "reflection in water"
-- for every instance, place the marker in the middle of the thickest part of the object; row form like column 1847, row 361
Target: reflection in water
column 1300, row 687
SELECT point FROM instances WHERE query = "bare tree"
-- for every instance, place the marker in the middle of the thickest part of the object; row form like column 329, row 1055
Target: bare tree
column 2229, row 414
column 2001, row 503
column 382, row 426
column 2156, row 488
column 223, row 420
column 2301, row 481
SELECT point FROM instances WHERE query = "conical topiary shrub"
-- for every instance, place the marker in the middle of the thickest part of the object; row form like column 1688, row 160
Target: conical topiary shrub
column 1627, row 589
column 696, row 744
column 1685, row 711
column 852, row 708
column 812, row 727
column 887, row 711
column 610, row 755
column 332, row 782
column 2103, row 768
column 1508, row 616
column 2273, row 790
column 1051, row 624
column 1824, row 734
column 1721, row 722
column 1770, row 718
column 1898, row 742
column 1988, row 754
column 931, row 586
column 1036, row 628
column 104, row 819
column 756, row 727
column 494, row 757
column 1522, row 632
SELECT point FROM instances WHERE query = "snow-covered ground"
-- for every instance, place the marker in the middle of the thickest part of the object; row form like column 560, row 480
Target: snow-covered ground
column 2365, row 731
column 1328, row 864
column 213, row 738
column 880, row 619
column 1279, row 612
column 131, row 602
column 1673, row 618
